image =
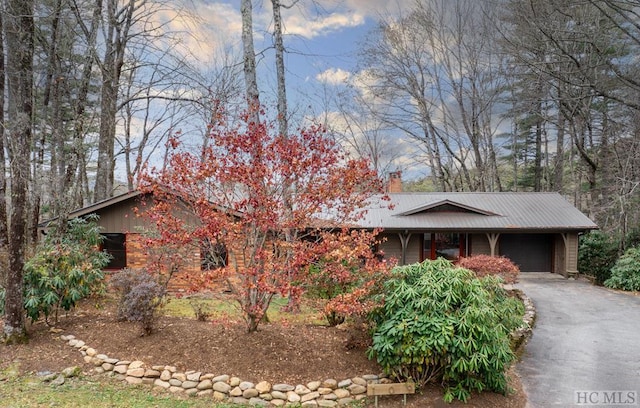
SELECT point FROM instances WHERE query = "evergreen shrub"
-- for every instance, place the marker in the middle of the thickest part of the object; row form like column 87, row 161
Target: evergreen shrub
column 625, row 274
column 440, row 323
column 66, row 268
column 597, row 254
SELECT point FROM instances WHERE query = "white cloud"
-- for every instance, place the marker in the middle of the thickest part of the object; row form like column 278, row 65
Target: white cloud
column 299, row 24
column 334, row 76
column 204, row 30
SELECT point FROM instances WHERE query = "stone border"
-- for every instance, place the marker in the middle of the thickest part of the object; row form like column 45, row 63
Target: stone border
column 224, row 388
column 521, row 335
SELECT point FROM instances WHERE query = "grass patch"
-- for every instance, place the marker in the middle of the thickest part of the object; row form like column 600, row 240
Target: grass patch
column 30, row 392
column 227, row 308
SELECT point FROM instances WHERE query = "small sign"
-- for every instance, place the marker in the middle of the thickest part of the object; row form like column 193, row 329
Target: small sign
column 391, row 389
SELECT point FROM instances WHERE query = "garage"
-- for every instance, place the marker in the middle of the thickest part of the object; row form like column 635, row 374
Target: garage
column 531, row 252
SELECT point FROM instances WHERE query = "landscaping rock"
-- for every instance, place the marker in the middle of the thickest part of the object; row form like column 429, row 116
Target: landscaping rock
column 293, row 397
column 278, row 402
column 359, row 381
column 162, row 384
column 314, row 385
column 221, row 387
column 187, row 385
column 263, row 387
column 70, row 372
column 133, row 380
column 194, row 376
column 258, row 402
column 135, row 372
column 278, row 395
column 151, row 373
column 234, row 381
column 301, row 390
column 204, row 393
column 283, row 387
column 342, row 393
column 58, row 381
column 179, row 376
column 330, row 383
column 245, row 385
column 136, row 364
column 236, row 392
column 345, row 383
column 219, row 396
column 310, row 396
column 220, row 378
column 205, row 384
column 166, row 375
column 356, row 389
column 250, row 393
column 327, row 403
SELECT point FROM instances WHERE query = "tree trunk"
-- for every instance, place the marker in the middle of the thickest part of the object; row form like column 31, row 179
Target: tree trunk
column 120, row 22
column 249, row 55
column 4, row 234
column 19, row 34
column 280, row 74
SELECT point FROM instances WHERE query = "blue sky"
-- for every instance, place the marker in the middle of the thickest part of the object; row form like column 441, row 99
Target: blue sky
column 322, row 38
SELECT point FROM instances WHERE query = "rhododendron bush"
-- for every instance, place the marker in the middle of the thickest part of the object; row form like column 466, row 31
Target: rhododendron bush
column 276, row 203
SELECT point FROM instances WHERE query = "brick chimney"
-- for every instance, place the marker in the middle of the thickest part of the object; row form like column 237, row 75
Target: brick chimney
column 394, row 185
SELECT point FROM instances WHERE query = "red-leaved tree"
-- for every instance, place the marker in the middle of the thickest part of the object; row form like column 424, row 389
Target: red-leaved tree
column 270, row 200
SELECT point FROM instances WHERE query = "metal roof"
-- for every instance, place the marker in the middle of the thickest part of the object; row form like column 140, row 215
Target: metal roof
column 476, row 212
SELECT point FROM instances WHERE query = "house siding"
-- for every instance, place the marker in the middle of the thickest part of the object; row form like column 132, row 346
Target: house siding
column 572, row 253
column 391, row 247
column 413, row 249
column 479, row 245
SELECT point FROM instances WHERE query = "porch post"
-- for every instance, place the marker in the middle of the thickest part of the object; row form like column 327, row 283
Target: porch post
column 404, row 242
column 493, row 241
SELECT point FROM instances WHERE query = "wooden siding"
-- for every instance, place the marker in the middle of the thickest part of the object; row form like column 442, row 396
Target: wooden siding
column 391, row 246
column 572, row 253
column 479, row 245
column 121, row 217
column 559, row 256
column 413, row 249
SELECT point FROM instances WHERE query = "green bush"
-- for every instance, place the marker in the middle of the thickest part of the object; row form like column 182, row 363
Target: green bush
column 625, row 274
column 141, row 297
column 66, row 268
column 597, row 255
column 441, row 323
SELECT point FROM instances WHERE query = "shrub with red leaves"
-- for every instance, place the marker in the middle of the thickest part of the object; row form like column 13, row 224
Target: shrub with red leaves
column 484, row 265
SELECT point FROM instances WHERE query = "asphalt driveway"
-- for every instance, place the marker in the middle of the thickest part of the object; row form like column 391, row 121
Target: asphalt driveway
column 585, row 348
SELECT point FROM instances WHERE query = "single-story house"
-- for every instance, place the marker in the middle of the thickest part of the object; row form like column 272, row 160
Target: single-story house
column 537, row 231
column 123, row 230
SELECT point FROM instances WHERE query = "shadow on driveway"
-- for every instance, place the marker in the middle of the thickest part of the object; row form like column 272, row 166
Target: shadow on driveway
column 585, row 347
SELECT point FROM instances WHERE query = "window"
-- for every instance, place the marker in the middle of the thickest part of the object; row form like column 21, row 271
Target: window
column 114, row 245
column 448, row 245
column 212, row 255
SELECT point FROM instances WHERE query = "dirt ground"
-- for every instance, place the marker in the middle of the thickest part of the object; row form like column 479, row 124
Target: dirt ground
column 294, row 354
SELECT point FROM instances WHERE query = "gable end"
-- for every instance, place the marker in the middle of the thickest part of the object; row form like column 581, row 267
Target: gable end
column 447, row 206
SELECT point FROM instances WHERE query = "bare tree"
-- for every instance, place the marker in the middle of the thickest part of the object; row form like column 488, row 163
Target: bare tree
column 249, row 61
column 19, row 37
column 4, row 234
column 437, row 77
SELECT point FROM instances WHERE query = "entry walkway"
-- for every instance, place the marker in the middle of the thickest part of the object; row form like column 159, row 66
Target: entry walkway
column 585, row 347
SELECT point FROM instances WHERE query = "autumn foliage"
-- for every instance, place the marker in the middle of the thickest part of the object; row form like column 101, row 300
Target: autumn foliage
column 485, row 265
column 276, row 203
